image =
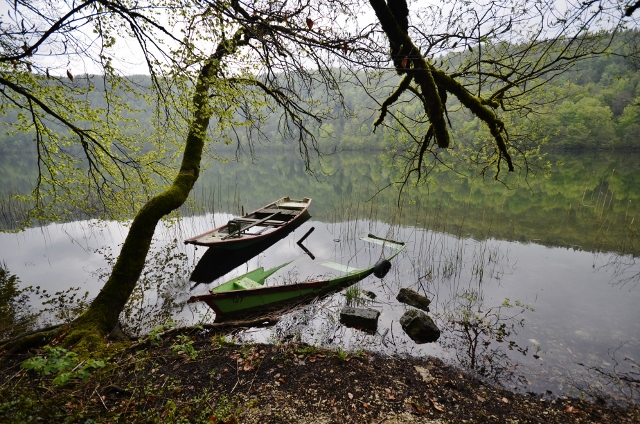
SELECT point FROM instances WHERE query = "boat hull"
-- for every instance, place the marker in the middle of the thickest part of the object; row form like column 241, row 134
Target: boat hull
column 227, row 304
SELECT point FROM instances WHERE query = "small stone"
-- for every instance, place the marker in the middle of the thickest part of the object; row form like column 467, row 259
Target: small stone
column 369, row 294
column 424, row 373
column 412, row 298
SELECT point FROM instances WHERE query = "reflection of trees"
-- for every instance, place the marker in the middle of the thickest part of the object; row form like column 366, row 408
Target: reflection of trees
column 587, row 203
column 620, row 381
column 625, row 269
column 478, row 335
column 15, row 315
column 161, row 291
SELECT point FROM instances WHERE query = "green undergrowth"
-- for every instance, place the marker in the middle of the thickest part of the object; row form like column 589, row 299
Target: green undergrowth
column 127, row 382
column 193, row 375
column 170, row 376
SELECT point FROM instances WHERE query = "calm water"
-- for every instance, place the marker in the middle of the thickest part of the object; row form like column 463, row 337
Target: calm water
column 534, row 287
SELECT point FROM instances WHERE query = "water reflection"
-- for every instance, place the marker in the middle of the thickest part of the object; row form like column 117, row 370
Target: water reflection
column 516, row 314
column 617, row 380
column 217, row 261
column 579, row 315
column 480, row 336
column 589, row 203
column 470, row 247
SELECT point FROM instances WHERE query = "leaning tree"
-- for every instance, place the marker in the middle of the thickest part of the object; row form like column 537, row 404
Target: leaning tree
column 217, row 67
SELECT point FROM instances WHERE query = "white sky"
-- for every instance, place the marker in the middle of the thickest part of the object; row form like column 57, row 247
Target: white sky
column 127, row 55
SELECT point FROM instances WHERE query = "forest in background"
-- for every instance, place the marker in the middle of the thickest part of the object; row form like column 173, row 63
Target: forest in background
column 594, row 105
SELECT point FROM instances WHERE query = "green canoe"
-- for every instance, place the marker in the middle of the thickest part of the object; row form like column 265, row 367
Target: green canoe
column 248, row 292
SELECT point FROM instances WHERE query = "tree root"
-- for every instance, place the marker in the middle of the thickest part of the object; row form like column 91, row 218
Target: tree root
column 34, row 339
column 79, row 336
column 86, row 338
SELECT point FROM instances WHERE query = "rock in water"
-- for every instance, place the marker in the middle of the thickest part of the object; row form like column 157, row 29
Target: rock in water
column 366, row 319
column 412, row 298
column 369, row 294
column 419, row 326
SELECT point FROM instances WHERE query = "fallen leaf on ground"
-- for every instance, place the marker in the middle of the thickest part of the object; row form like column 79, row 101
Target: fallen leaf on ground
column 572, row 410
column 415, row 408
column 435, row 405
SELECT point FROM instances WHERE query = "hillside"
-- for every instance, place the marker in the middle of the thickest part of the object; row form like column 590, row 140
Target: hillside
column 594, row 105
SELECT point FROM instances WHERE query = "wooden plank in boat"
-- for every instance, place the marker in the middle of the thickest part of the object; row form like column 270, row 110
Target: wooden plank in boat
column 271, row 222
column 297, row 205
column 280, row 211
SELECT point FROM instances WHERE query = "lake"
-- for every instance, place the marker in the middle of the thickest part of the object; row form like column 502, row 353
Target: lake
column 534, row 285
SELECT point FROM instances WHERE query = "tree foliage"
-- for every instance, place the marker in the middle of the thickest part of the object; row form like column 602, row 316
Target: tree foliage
column 217, row 68
column 84, row 128
column 257, row 46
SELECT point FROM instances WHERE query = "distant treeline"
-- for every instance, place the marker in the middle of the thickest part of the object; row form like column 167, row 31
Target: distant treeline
column 598, row 107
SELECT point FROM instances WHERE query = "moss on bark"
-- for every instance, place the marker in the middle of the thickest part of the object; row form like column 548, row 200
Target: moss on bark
column 88, row 331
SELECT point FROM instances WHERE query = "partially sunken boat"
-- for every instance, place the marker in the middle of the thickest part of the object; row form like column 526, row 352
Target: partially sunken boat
column 269, row 221
column 268, row 289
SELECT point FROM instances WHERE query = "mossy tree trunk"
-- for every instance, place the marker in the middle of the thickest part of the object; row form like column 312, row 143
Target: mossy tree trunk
column 89, row 329
column 102, row 315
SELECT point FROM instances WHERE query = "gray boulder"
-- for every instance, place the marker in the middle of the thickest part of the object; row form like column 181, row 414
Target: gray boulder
column 412, row 298
column 419, row 326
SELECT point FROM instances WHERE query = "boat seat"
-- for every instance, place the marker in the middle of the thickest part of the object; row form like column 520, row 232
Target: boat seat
column 293, row 204
column 234, row 226
column 247, row 283
column 272, row 222
column 280, row 211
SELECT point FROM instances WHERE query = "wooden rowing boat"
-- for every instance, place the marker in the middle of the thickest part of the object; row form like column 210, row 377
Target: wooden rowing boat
column 253, row 291
column 269, row 221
